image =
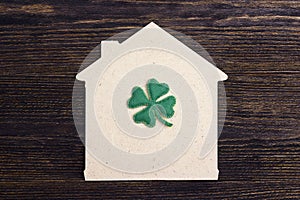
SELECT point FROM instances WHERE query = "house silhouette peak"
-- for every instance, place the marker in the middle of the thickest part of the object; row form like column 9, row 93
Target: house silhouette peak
column 152, row 36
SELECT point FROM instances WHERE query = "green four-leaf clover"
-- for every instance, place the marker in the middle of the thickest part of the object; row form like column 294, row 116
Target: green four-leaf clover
column 154, row 109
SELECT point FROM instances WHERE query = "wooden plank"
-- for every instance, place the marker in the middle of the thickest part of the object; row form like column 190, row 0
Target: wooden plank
column 255, row 42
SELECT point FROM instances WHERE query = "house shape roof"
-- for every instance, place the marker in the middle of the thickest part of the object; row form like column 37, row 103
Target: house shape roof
column 151, row 36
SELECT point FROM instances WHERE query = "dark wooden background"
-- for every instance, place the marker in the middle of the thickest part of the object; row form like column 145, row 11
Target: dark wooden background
column 255, row 42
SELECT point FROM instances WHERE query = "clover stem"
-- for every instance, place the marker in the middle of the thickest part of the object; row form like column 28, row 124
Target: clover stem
column 163, row 121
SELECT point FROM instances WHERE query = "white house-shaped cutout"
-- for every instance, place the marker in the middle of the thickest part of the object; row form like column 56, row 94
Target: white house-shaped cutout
column 170, row 153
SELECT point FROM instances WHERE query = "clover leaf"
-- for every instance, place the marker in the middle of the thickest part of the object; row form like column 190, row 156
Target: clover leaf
column 154, row 109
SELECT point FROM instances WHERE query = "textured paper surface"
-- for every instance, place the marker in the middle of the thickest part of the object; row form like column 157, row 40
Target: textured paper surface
column 150, row 53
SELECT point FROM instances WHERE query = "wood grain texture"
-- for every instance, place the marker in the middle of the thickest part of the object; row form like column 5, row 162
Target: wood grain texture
column 255, row 42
